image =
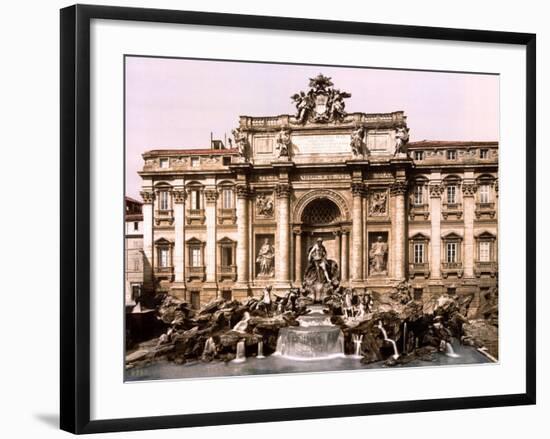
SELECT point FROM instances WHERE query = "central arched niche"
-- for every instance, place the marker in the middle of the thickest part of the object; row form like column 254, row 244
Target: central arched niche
column 321, row 218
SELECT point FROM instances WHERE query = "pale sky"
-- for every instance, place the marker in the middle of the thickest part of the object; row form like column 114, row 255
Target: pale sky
column 176, row 103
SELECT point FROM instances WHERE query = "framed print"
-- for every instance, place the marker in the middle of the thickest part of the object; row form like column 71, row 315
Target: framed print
column 311, row 218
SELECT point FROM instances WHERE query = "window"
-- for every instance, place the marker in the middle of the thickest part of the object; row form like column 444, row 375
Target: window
column 418, row 195
column 419, row 155
column 451, row 154
column 418, row 253
column 226, row 295
column 451, row 291
column 485, row 251
column 164, row 257
column 451, row 194
column 195, row 162
column 227, row 198
column 163, row 163
column 483, row 153
column 418, row 293
column 136, row 291
column 226, row 161
column 195, row 199
column 163, row 200
column 196, row 257
column 227, row 256
column 452, row 248
column 136, row 226
column 484, row 193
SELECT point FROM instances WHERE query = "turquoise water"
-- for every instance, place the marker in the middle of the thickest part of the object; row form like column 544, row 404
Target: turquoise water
column 165, row 370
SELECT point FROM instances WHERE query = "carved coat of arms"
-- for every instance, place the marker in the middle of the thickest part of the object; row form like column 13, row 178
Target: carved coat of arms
column 322, row 102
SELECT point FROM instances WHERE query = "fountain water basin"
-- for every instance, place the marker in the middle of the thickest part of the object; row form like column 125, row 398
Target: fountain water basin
column 315, row 339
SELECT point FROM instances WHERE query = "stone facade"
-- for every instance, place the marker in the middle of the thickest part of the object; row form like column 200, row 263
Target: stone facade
column 387, row 210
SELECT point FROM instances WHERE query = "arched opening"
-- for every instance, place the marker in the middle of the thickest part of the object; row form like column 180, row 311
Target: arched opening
column 321, row 218
column 321, row 212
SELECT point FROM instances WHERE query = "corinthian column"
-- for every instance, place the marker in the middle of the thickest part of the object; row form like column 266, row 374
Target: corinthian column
column 357, row 190
column 179, row 225
column 468, row 192
column 147, row 210
column 298, row 256
column 399, row 189
column 283, row 233
column 242, row 233
column 210, row 195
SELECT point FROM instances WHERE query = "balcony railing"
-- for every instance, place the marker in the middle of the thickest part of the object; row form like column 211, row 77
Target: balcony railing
column 452, row 268
column 227, row 272
column 163, row 216
column 485, row 267
column 195, row 216
column 227, row 215
column 452, row 209
column 485, row 209
column 195, row 272
column 421, row 210
column 164, row 271
column 419, row 269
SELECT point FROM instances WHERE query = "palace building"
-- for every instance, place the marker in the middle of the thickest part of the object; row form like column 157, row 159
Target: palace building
column 226, row 222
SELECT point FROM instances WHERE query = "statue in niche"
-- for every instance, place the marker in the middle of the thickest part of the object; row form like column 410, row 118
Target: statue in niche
column 265, row 258
column 401, row 140
column 377, row 205
column 242, row 143
column 356, row 142
column 264, row 205
column 283, row 143
column 377, row 254
column 317, row 258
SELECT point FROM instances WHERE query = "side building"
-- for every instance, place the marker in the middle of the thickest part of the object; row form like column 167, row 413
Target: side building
column 133, row 245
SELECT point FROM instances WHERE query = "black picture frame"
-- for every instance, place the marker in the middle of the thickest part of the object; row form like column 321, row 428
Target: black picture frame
column 75, row 217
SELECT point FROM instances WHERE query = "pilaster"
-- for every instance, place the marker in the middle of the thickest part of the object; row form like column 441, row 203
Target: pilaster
column 241, row 288
column 282, row 253
column 399, row 190
column 147, row 210
column 436, row 189
column 357, row 190
column 178, row 288
column 469, row 189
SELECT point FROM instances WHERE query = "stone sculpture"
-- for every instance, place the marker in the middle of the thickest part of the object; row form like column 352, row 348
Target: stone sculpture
column 264, row 205
column 377, row 204
column 377, row 255
column 283, row 143
column 401, row 140
column 241, row 141
column 356, row 142
column 265, row 258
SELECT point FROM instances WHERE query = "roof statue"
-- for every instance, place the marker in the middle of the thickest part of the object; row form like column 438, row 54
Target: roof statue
column 322, row 103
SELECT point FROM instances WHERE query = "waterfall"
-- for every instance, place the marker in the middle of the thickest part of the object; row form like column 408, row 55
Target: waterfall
column 357, row 341
column 209, row 348
column 315, row 339
column 260, row 350
column 405, row 338
column 449, row 351
column 385, row 335
column 241, row 354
